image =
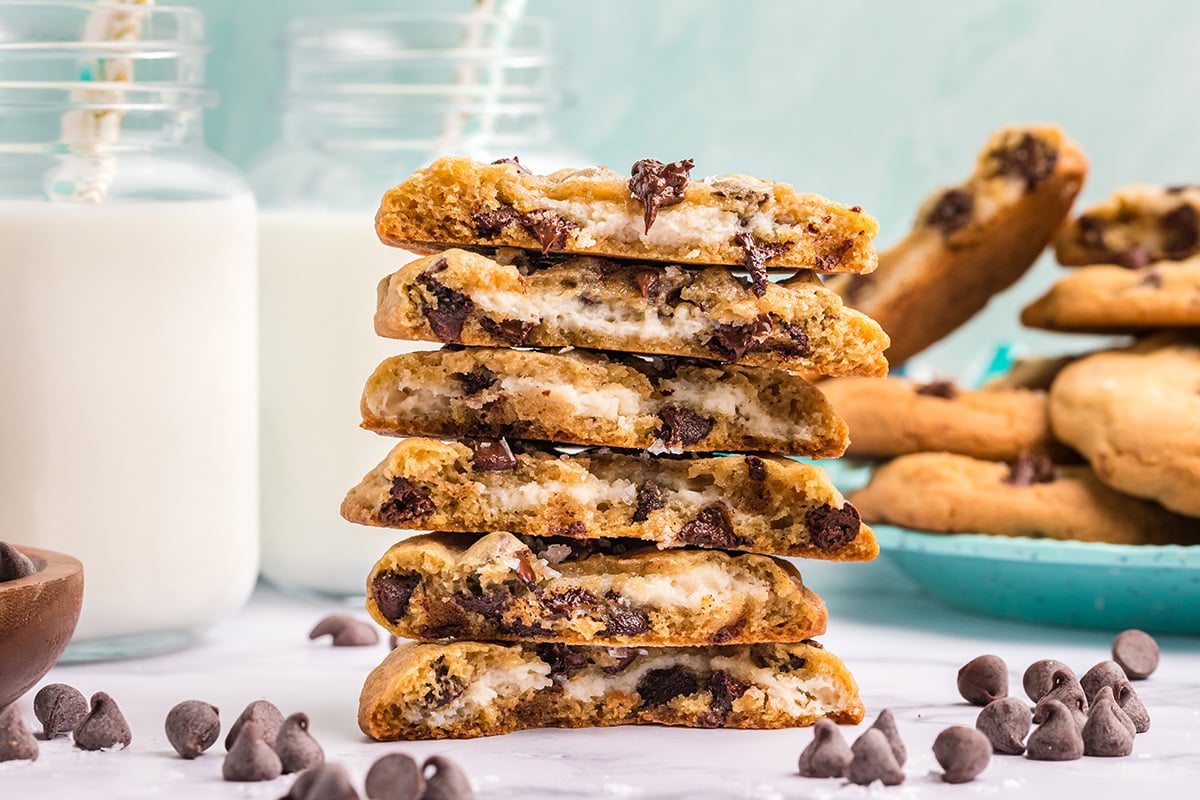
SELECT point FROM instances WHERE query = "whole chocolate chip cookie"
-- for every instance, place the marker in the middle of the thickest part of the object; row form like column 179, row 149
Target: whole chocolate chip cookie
column 1136, row 226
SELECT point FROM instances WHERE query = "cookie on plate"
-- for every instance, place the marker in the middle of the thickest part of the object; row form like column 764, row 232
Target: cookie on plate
column 1104, row 298
column 1134, row 414
column 970, row 241
column 614, row 592
column 581, row 397
column 947, row 493
column 467, row 689
column 656, row 213
column 1135, row 227
column 764, row 504
column 460, row 297
column 895, row 416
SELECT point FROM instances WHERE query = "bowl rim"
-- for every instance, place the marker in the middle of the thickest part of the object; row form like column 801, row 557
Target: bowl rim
column 51, row 566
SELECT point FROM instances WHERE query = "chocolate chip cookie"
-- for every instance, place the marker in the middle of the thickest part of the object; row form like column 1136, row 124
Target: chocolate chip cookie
column 467, row 689
column 616, row 592
column 581, row 397
column 970, row 241
column 1134, row 414
column 946, row 493
column 1104, row 298
column 460, row 297
column 763, row 504
column 1135, row 227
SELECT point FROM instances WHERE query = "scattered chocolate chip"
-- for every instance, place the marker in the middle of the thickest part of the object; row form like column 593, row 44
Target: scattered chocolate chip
column 951, row 211
column 710, row 528
column 656, row 184
column 476, row 380
column 513, row 332
column 1070, row 694
column 267, row 718
column 447, row 317
column 1153, row 278
column 1108, row 730
column 885, row 723
column 830, row 260
column 943, row 389
column 683, row 427
column 731, row 342
column 60, row 708
column 444, row 780
column 1133, row 257
column 871, row 759
column 1042, row 676
column 1181, row 229
column 548, row 228
column 392, row 591
column 491, row 455
column 251, row 758
column 1056, row 737
column 16, row 742
column 192, row 727
column 982, row 680
column 516, row 162
column 832, row 528
column 827, row 755
column 329, row 782
column 1132, row 705
column 650, row 497
column 756, row 468
column 407, row 502
column 755, row 256
column 659, row 686
column 1030, row 468
column 1030, row 159
column 564, row 660
column 623, row 621
column 295, row 746
column 1105, row 673
column 14, row 564
column 1136, row 652
column 104, row 727
column 489, row 224
column 346, row 631
column 395, row 776
column 648, row 282
column 1005, row 722
column 962, row 752
column 725, row 689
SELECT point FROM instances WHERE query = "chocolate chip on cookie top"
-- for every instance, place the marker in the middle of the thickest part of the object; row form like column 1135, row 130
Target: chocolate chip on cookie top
column 657, row 184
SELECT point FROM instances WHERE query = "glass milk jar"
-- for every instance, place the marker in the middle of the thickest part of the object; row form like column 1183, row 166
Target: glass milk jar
column 368, row 99
column 128, row 432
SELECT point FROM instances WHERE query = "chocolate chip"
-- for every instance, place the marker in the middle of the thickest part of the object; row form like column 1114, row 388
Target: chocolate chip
column 1108, row 730
column 756, row 254
column 951, row 211
column 832, row 528
column 659, row 686
column 476, row 380
column 886, row 724
column 732, row 341
column 395, row 776
column 525, row 572
column 14, row 564
column 267, row 718
column 1133, row 257
column 328, row 782
column 392, row 591
column 192, row 727
column 1005, row 722
column 830, row 260
column 728, row 632
column 447, row 317
column 796, row 345
column 756, row 468
column 513, row 332
column 623, row 621
column 1132, row 705
column 983, row 679
column 445, row 781
column 564, row 660
column 563, row 605
column 295, row 746
column 725, row 689
column 962, row 752
column 1153, row 278
column 683, row 427
column 648, row 282
column 943, row 389
column 1136, row 652
column 548, row 228
column 1070, row 694
column 1057, row 736
column 1030, row 468
column 710, row 528
column 827, row 755
column 1181, row 229
column 624, row 656
column 251, row 758
column 871, row 760
column 16, row 742
column 491, row 455
column 1105, row 673
column 489, row 224
column 650, row 497
column 346, row 631
column 488, row 604
column 1030, row 159
column 1042, row 676
column 60, row 708
column 445, row 688
column 516, row 162
column 408, row 502
column 656, row 184
column 104, row 727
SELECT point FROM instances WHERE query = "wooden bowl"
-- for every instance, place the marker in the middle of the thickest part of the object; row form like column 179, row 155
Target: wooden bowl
column 37, row 617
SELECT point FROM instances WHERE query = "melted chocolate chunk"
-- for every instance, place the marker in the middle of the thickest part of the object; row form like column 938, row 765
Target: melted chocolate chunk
column 408, row 502
column 727, row 633
column 516, row 162
column 1030, row 159
column 656, row 184
column 489, row 224
column 757, row 468
column 682, row 427
column 797, row 344
column 951, row 211
column 793, row 663
column 445, row 686
column 489, row 604
column 724, row 689
column 648, row 281
column 1181, row 230
column 510, row 331
column 711, row 528
column 452, row 309
column 943, row 389
column 659, row 686
column 830, row 260
column 564, row 604
column 832, row 528
column 624, row 621
column 1133, row 257
column 564, row 660
column 491, row 455
column 548, row 228
column 755, row 256
column 476, row 380
column 650, row 497
column 1030, row 468
column 731, row 342
column 392, row 591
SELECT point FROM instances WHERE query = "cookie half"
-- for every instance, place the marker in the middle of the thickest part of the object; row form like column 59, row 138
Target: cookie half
column 761, row 504
column 581, row 397
column 734, row 220
column 970, row 241
column 1105, row 298
column 946, row 493
column 1134, row 414
column 615, row 592
column 1135, row 227
column 459, row 297
column 468, row 689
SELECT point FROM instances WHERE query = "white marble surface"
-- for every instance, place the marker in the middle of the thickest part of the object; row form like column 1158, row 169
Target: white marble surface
column 904, row 650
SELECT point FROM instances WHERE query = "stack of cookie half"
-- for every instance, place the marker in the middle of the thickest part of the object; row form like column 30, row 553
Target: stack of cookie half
column 596, row 563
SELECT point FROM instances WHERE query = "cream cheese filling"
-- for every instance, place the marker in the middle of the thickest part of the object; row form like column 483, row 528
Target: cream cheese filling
column 604, row 318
